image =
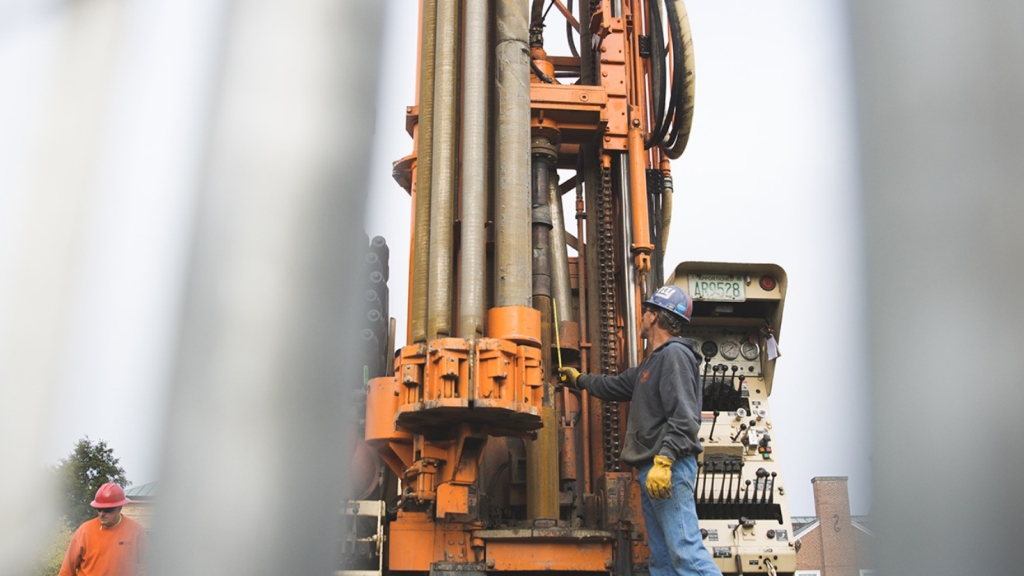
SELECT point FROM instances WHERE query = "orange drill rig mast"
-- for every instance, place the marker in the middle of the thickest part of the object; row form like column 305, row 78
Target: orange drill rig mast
column 499, row 469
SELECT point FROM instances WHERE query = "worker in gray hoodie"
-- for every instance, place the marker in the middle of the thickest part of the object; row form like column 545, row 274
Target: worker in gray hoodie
column 661, row 434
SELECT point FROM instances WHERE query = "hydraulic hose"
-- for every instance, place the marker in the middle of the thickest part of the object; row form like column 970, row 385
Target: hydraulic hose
column 672, row 131
column 684, row 82
column 675, row 32
column 657, row 70
column 537, row 24
column 568, row 32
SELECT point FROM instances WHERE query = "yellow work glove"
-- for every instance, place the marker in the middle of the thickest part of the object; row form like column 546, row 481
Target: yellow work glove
column 569, row 376
column 659, row 479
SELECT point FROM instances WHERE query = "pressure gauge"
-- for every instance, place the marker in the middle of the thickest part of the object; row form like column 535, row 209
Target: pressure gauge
column 750, row 350
column 709, row 348
column 730, row 349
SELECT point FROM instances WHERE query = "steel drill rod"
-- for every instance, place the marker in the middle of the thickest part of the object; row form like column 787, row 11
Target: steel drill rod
column 473, row 177
column 442, row 204
column 420, row 261
column 561, row 290
column 512, row 141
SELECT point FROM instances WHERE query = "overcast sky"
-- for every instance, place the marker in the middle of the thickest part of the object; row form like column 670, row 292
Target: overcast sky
column 769, row 176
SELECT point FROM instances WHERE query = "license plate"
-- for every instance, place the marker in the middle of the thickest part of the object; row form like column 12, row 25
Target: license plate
column 718, row 287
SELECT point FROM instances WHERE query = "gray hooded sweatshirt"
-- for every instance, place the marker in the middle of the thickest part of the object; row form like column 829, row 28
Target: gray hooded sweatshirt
column 665, row 399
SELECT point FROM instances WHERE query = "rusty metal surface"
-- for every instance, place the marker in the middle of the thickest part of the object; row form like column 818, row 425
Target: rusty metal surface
column 529, row 555
column 557, row 533
column 616, row 489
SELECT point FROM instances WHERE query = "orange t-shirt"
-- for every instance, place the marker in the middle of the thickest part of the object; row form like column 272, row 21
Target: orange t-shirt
column 98, row 551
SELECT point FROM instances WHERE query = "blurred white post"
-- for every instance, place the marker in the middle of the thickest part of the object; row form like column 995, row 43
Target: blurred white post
column 253, row 470
column 58, row 185
column 940, row 87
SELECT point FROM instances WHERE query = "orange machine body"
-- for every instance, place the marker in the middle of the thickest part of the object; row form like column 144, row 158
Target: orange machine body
column 494, row 467
column 453, row 403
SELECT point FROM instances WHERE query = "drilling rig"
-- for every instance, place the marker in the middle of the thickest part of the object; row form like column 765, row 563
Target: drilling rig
column 473, row 460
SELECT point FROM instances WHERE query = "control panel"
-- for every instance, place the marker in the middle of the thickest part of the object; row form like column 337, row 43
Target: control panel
column 739, row 490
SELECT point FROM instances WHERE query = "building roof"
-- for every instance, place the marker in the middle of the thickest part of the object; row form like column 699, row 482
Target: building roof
column 804, row 524
column 804, row 528
column 142, row 492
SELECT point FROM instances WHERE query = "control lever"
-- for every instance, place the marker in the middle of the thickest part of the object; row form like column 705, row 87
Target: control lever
column 734, row 391
column 711, row 436
column 739, row 481
column 762, row 476
column 744, row 522
column 699, row 465
column 704, row 485
column 746, row 493
column 771, row 494
column 721, row 386
column 738, row 432
column 728, row 498
column 717, row 390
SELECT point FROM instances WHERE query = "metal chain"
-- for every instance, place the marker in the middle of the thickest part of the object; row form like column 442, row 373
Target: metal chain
column 609, row 360
column 609, row 334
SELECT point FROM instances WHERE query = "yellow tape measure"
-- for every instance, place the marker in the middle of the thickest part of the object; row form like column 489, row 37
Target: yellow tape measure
column 558, row 343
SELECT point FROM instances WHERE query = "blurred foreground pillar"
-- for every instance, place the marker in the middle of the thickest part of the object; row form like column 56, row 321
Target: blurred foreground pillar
column 36, row 307
column 940, row 86
column 253, row 469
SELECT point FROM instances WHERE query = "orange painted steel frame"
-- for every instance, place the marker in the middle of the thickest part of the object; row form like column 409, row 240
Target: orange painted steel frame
column 436, row 382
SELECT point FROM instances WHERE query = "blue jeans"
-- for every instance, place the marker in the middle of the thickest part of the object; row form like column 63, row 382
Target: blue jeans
column 673, row 534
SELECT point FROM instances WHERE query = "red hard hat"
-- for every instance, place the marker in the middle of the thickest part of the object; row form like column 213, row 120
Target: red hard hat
column 109, row 495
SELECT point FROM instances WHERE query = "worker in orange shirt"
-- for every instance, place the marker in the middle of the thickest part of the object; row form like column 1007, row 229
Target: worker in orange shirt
column 110, row 544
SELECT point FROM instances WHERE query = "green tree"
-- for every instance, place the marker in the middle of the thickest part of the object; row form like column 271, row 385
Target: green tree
column 89, row 466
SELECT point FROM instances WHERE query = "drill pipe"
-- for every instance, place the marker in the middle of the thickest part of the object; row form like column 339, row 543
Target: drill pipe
column 559, row 255
column 474, row 171
column 512, row 213
column 542, row 148
column 442, row 205
column 542, row 453
column 424, row 161
column 629, row 299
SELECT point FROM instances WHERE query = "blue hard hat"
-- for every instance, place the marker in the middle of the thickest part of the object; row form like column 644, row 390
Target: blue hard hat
column 674, row 299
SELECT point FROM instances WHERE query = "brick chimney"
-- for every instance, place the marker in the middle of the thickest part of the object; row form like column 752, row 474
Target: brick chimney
column 832, row 506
